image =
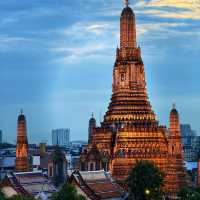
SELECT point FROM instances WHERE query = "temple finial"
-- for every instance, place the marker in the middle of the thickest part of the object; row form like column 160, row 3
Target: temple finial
column 126, row 2
column 174, row 106
column 92, row 115
column 21, row 111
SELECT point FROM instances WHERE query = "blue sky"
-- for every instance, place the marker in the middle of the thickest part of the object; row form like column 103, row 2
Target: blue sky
column 56, row 60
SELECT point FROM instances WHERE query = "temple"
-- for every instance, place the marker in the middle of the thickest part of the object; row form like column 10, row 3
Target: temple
column 130, row 130
column 22, row 161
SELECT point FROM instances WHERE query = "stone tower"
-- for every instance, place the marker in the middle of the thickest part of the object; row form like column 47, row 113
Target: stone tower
column 175, row 147
column 130, row 130
column 176, row 176
column 92, row 125
column 22, row 161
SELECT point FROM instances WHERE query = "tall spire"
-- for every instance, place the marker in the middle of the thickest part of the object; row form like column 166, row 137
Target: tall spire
column 92, row 125
column 126, row 2
column 127, row 28
column 21, row 163
column 174, row 121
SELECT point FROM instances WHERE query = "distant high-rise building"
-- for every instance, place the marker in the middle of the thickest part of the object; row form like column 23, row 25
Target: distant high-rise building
column 22, row 161
column 1, row 137
column 186, row 133
column 191, row 143
column 60, row 137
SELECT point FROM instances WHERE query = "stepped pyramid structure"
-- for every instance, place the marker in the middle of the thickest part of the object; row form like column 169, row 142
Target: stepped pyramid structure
column 22, row 161
column 130, row 131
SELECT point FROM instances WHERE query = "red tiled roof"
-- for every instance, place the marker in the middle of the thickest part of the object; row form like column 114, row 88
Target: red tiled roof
column 107, row 195
column 98, row 188
column 105, row 189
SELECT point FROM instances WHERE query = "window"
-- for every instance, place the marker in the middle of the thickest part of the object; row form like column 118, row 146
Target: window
column 122, row 77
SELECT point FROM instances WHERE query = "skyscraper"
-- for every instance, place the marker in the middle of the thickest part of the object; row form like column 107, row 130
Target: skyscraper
column 22, row 161
column 130, row 130
column 61, row 137
column 191, row 143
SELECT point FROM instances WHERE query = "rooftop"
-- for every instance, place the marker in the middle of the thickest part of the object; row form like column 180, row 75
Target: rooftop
column 98, row 185
column 32, row 183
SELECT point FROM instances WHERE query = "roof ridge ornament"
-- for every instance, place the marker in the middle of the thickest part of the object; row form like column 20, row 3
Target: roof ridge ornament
column 126, row 2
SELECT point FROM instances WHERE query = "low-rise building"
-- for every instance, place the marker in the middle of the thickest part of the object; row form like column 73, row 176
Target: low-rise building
column 34, row 184
column 97, row 185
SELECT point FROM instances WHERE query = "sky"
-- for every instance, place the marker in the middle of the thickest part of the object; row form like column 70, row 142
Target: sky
column 56, row 61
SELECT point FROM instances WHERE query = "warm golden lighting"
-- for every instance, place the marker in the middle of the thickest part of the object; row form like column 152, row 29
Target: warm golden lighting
column 147, row 192
column 130, row 131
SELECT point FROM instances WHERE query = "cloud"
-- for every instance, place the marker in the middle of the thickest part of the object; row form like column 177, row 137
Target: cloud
column 159, row 26
column 78, row 53
column 95, row 28
column 186, row 4
column 10, row 39
column 7, row 20
column 11, row 42
column 86, row 40
column 178, row 9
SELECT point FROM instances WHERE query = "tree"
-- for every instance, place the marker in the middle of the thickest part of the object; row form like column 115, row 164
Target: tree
column 67, row 192
column 19, row 197
column 145, row 181
column 189, row 193
column 2, row 197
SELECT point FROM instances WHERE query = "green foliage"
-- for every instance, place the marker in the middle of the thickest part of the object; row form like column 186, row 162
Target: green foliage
column 19, row 197
column 67, row 192
column 2, row 197
column 189, row 193
column 145, row 181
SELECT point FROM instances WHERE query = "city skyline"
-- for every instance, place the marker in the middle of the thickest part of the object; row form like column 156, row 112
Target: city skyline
column 66, row 58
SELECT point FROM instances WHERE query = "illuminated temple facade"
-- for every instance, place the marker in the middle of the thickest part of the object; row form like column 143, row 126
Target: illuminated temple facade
column 22, row 161
column 130, row 131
